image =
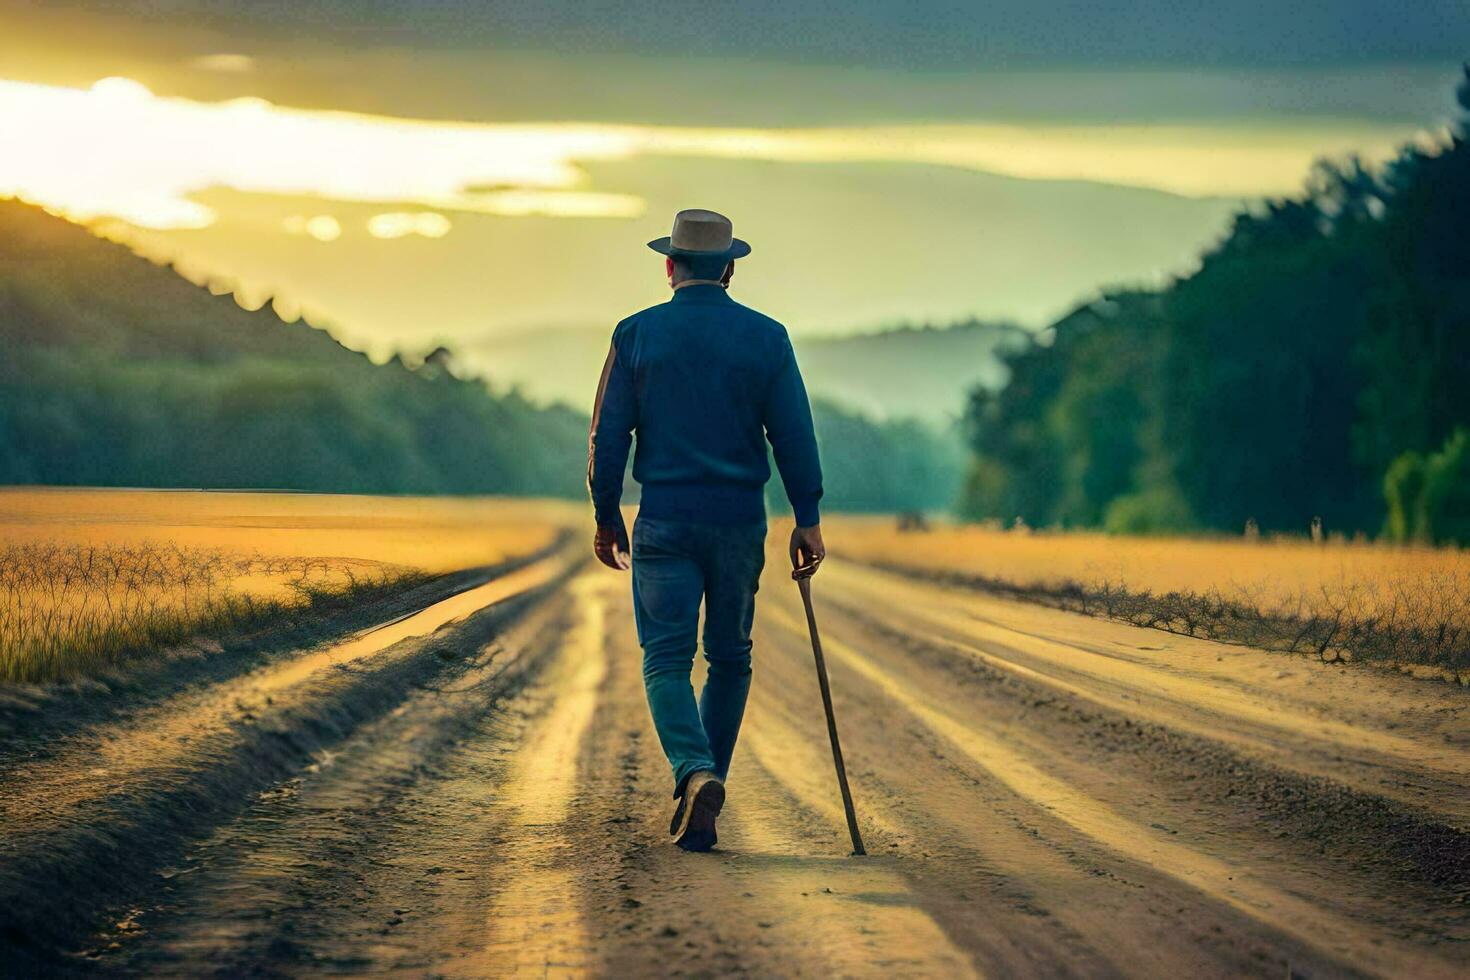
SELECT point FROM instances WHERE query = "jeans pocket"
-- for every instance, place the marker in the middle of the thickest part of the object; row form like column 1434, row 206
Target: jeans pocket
column 649, row 538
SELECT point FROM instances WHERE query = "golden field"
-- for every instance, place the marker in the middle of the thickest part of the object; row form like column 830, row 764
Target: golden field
column 93, row 578
column 1374, row 601
column 1271, row 570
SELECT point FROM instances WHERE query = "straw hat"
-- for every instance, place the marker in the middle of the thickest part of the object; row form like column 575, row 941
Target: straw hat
column 701, row 234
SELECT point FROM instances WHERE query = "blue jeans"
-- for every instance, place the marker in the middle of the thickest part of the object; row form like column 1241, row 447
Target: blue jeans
column 675, row 567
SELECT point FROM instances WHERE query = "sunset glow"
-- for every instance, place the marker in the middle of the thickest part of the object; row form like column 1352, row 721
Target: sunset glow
column 322, row 227
column 429, row 224
column 117, row 149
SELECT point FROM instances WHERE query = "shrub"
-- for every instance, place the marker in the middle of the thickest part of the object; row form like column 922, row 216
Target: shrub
column 1428, row 497
column 1161, row 510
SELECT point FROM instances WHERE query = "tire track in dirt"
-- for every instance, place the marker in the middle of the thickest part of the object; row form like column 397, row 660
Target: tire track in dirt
column 781, row 899
column 1403, row 739
column 177, row 736
column 39, row 722
column 436, row 841
column 1367, row 840
column 829, row 913
column 1276, row 802
column 506, row 813
column 94, row 823
column 532, row 926
column 989, row 913
column 1018, row 748
column 1146, row 845
column 1021, row 891
column 336, row 870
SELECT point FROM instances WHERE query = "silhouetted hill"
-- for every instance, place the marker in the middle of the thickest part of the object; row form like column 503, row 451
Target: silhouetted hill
column 910, row 372
column 62, row 287
column 120, row 372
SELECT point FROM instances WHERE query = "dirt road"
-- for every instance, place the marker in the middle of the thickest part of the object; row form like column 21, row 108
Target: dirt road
column 476, row 791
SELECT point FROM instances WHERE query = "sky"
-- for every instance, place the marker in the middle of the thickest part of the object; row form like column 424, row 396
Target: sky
column 447, row 172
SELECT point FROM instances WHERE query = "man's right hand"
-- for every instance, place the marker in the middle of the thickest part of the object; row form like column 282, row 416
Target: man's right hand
column 610, row 545
column 807, row 550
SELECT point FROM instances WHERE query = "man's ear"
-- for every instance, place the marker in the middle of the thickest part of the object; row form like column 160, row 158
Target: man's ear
column 729, row 272
column 669, row 269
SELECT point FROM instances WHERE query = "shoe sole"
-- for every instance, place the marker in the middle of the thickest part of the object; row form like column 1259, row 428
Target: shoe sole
column 698, row 832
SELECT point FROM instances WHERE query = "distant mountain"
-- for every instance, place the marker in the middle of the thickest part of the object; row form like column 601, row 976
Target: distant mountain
column 910, row 372
column 906, row 372
column 118, row 371
column 64, row 289
column 551, row 365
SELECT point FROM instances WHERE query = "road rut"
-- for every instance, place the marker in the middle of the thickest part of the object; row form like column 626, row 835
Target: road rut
column 1041, row 793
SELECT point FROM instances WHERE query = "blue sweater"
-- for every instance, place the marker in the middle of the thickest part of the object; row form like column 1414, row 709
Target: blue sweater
column 704, row 382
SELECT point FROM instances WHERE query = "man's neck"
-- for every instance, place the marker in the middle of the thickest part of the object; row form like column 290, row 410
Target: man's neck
column 697, row 282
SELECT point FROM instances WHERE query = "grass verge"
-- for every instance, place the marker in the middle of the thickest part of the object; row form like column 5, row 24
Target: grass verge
column 72, row 610
column 1424, row 627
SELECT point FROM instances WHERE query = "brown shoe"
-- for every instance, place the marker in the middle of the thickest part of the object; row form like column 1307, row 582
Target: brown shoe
column 694, row 821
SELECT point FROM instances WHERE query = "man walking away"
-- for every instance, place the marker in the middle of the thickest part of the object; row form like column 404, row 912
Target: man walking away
column 704, row 382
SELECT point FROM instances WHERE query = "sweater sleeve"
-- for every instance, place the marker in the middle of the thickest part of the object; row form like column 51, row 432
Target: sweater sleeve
column 614, row 417
column 788, row 421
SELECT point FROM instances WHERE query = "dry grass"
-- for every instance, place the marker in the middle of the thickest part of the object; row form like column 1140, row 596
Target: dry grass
column 72, row 609
column 436, row 534
column 91, row 580
column 1334, row 599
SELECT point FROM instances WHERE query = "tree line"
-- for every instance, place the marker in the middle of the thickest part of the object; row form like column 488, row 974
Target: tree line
column 119, row 372
column 1315, row 365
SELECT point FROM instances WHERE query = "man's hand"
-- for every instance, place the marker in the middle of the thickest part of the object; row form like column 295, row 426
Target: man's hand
column 611, row 546
column 807, row 550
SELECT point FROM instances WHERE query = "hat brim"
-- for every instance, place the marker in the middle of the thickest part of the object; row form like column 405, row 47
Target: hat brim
column 738, row 249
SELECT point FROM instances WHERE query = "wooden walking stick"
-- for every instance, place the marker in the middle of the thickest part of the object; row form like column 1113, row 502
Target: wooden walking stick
column 803, row 576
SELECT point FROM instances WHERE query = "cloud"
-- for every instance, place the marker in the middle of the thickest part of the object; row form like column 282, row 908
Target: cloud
column 228, row 63
column 322, row 227
column 397, row 224
column 117, row 149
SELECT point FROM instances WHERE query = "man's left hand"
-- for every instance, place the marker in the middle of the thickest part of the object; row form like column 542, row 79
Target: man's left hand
column 807, row 551
column 611, row 546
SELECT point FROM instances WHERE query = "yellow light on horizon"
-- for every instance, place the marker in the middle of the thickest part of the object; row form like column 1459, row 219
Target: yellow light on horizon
column 322, row 227
column 116, row 149
column 224, row 62
column 558, row 204
column 116, row 88
column 397, row 224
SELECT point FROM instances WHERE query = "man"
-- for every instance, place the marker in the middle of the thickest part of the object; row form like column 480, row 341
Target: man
column 704, row 382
